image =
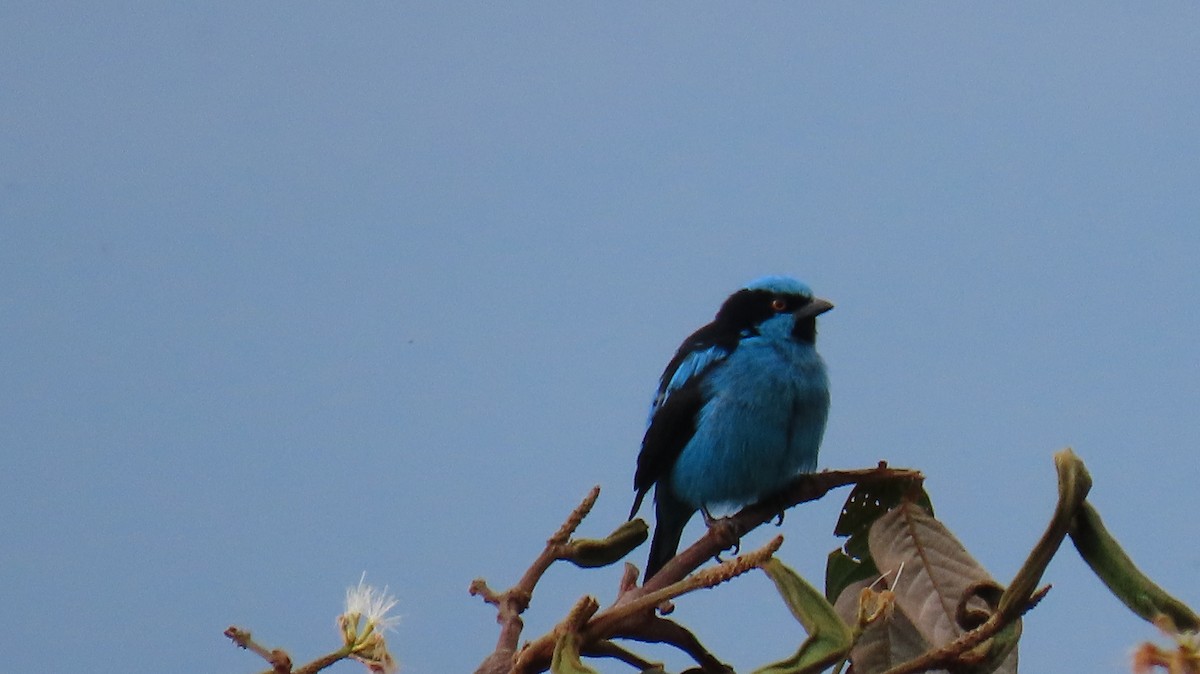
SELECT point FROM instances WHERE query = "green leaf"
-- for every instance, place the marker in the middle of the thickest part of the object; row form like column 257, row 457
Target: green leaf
column 842, row 571
column 594, row 552
column 566, row 658
column 829, row 638
column 1102, row 552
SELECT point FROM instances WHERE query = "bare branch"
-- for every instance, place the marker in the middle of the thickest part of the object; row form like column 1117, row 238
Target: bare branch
column 632, row 616
column 581, row 511
column 512, row 602
column 277, row 658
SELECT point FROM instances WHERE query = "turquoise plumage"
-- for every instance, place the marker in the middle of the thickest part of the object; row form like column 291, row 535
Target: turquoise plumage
column 740, row 410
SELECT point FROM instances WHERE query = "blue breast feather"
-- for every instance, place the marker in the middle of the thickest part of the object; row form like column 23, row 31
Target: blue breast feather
column 762, row 422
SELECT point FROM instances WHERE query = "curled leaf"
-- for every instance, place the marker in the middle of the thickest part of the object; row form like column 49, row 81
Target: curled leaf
column 1074, row 482
column 594, row 552
column 940, row 584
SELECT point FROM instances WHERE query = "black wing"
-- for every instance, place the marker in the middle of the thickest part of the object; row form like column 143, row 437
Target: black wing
column 671, row 428
column 700, row 351
column 677, row 404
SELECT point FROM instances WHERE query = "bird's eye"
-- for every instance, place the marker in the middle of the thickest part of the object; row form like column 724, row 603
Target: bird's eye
column 779, row 304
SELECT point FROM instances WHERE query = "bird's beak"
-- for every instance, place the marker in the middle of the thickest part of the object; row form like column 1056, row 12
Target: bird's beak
column 813, row 309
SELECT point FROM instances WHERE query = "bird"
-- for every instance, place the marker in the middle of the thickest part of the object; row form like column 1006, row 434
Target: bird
column 740, row 410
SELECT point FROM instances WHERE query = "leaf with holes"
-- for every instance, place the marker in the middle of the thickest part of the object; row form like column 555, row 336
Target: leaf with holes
column 866, row 503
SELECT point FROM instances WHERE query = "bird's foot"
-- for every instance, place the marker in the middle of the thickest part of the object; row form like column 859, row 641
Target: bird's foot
column 710, row 520
column 724, row 530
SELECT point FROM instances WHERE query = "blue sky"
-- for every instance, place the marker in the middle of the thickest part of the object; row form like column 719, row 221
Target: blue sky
column 291, row 291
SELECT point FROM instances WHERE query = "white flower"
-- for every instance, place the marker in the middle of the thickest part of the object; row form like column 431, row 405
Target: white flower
column 365, row 641
column 367, row 602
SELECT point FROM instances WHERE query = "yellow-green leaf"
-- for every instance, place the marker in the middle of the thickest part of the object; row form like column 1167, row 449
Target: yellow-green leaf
column 566, row 658
column 1142, row 595
column 829, row 638
column 593, row 552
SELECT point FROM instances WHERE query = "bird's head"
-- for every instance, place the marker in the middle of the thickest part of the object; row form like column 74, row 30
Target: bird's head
column 777, row 306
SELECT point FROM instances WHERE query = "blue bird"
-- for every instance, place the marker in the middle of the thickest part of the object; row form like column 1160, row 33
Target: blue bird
column 740, row 410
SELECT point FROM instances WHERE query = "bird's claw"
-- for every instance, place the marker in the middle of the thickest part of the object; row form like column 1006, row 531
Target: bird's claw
column 736, row 550
column 724, row 527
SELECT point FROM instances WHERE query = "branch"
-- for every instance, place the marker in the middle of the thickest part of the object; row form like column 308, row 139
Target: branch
column 277, row 658
column 633, row 615
column 608, row 649
column 805, row 488
column 512, row 603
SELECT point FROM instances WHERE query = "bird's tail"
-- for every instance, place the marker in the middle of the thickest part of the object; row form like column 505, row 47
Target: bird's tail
column 671, row 517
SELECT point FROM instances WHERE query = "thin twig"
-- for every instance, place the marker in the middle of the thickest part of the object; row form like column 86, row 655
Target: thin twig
column 322, row 662
column 512, row 602
column 277, row 658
